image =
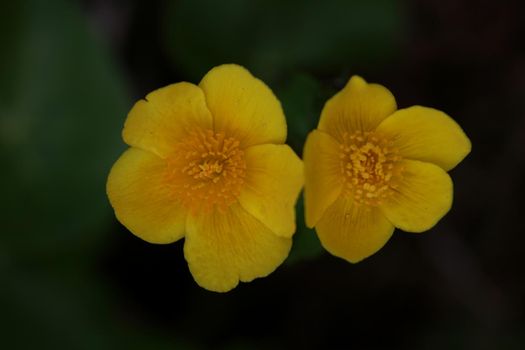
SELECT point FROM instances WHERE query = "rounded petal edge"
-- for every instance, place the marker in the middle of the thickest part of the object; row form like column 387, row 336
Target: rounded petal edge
column 274, row 178
column 166, row 116
column 428, row 135
column 223, row 248
column 139, row 197
column 422, row 197
column 323, row 178
column 359, row 106
column 243, row 106
column 353, row 232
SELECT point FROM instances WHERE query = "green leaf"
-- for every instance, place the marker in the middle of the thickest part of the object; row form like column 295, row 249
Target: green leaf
column 69, row 308
column 301, row 101
column 272, row 37
column 306, row 245
column 62, row 106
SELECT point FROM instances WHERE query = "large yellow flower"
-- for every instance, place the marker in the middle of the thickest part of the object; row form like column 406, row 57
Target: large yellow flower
column 209, row 163
column 370, row 168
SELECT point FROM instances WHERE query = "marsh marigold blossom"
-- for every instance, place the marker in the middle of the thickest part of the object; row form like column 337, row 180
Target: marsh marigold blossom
column 370, row 167
column 209, row 163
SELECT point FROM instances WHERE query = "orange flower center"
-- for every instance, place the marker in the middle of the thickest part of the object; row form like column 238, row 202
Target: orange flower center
column 370, row 166
column 206, row 171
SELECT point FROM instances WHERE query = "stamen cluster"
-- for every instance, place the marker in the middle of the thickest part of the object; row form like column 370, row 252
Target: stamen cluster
column 207, row 170
column 369, row 165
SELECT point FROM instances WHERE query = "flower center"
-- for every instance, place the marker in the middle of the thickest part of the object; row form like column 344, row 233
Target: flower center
column 369, row 165
column 206, row 171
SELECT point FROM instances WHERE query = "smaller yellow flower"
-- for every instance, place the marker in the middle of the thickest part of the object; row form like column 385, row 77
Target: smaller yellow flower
column 370, row 167
column 209, row 163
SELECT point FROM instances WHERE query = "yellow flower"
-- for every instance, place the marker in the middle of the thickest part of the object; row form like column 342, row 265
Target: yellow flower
column 370, row 168
column 209, row 163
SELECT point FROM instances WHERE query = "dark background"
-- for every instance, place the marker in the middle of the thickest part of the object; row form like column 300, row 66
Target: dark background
column 71, row 277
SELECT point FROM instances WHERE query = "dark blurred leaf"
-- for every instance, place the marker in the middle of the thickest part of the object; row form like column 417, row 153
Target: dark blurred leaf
column 301, row 101
column 306, row 245
column 62, row 104
column 68, row 308
column 270, row 37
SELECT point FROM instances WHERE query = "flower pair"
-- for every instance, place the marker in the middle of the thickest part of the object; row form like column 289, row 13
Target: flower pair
column 209, row 163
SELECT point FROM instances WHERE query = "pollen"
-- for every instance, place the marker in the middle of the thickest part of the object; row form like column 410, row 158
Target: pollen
column 370, row 167
column 206, row 171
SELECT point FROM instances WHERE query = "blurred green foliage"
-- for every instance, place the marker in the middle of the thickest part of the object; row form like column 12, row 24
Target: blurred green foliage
column 62, row 104
column 306, row 245
column 302, row 98
column 271, row 37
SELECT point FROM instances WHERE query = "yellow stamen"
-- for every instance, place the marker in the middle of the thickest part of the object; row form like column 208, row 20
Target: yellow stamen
column 369, row 165
column 206, row 171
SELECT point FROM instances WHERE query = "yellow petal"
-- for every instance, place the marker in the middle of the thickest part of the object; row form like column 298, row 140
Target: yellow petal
column 222, row 248
column 138, row 193
column 358, row 107
column 323, row 178
column 428, row 135
column 423, row 196
column 353, row 231
column 243, row 106
column 165, row 117
column 274, row 178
